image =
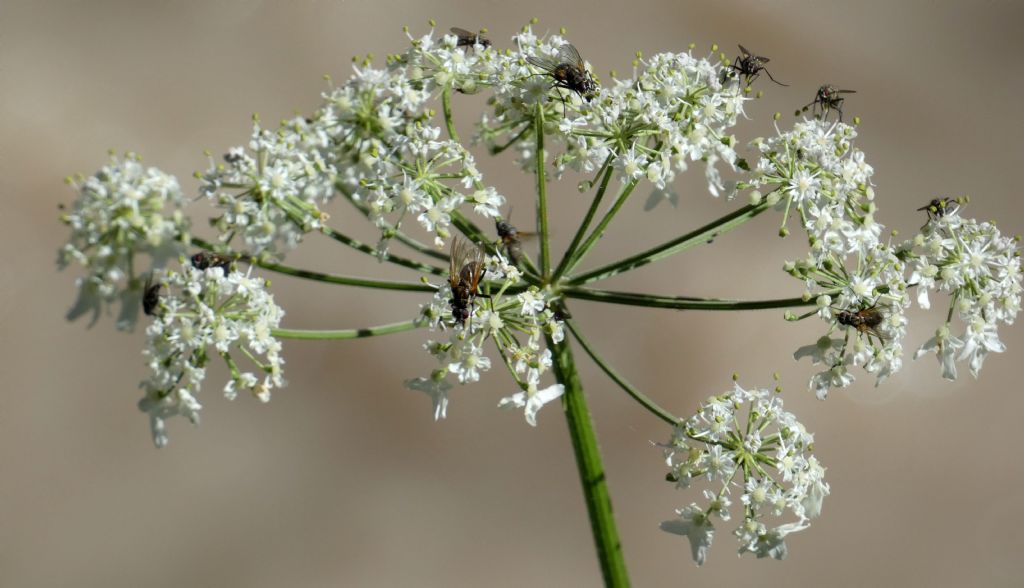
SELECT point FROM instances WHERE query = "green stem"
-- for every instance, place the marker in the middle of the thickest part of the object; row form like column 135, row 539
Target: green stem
column 499, row 148
column 683, row 302
column 640, row 397
column 446, row 106
column 591, row 212
column 591, row 470
column 344, row 280
column 699, row 236
column 346, row 333
column 317, row 276
column 542, row 194
column 601, row 226
column 370, row 250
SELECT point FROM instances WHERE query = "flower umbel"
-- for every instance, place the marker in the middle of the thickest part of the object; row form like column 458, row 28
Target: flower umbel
column 122, row 212
column 202, row 313
column 743, row 444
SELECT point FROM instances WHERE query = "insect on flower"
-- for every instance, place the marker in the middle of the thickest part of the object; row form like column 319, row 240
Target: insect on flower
column 568, row 71
column 206, row 259
column 468, row 39
column 750, row 67
column 828, row 98
column 940, row 207
column 465, row 271
column 150, row 296
column 866, row 320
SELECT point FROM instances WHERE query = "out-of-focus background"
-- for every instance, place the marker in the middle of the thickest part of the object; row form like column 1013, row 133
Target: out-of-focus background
column 344, row 479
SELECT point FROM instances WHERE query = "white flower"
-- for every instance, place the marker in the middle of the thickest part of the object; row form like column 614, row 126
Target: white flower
column 945, row 346
column 695, row 526
column 981, row 337
column 435, row 387
column 532, row 400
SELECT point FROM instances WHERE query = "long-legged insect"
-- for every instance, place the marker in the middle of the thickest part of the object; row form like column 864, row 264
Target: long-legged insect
column 468, row 39
column 465, row 271
column 750, row 66
column 828, row 98
column 568, row 71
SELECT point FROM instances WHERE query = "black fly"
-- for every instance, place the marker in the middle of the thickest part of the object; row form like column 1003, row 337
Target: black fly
column 750, row 67
column 150, row 296
column 828, row 98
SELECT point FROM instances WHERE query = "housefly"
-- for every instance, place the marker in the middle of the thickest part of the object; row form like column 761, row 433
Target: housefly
column 206, row 259
column 465, row 271
column 468, row 39
column 568, row 71
column 866, row 320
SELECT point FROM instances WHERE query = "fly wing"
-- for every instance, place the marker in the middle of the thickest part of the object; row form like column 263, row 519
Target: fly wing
column 545, row 62
column 744, row 51
column 455, row 261
column 568, row 54
column 462, row 33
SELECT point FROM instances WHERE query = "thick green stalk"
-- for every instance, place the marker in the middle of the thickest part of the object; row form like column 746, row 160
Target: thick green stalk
column 640, row 397
column 346, row 333
column 591, row 470
column 704, row 234
column 542, row 194
column 683, row 302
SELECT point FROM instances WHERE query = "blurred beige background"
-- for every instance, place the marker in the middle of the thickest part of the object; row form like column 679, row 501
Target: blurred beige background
column 344, row 479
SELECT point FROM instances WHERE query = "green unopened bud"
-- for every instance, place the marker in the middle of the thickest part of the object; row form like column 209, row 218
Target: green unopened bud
column 755, row 197
column 783, row 232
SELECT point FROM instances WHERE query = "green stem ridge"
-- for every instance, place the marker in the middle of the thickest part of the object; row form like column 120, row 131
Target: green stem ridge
column 591, row 470
column 346, row 333
column 542, row 194
column 698, row 236
column 640, row 397
column 683, row 302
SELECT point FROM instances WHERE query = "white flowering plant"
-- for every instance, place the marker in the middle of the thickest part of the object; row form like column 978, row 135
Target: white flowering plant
column 377, row 146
